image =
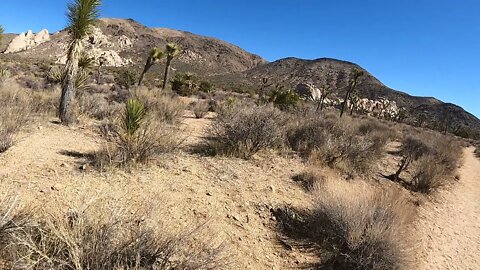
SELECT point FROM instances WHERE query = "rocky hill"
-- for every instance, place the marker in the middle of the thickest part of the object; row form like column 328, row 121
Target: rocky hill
column 426, row 111
column 125, row 42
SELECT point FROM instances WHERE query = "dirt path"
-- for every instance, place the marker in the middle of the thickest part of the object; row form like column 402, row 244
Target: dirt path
column 450, row 225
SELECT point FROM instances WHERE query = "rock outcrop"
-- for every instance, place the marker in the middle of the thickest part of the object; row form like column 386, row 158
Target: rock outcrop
column 308, row 91
column 101, row 48
column 28, row 40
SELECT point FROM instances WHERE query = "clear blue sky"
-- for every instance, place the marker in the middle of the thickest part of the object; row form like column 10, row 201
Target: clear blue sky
column 423, row 47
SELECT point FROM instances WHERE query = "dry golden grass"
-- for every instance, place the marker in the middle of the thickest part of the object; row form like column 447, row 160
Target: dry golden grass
column 100, row 234
column 164, row 107
column 15, row 108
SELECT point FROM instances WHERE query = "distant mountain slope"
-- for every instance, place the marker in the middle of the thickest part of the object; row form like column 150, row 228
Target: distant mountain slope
column 292, row 71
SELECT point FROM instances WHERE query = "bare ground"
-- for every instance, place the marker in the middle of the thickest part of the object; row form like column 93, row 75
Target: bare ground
column 233, row 196
column 449, row 225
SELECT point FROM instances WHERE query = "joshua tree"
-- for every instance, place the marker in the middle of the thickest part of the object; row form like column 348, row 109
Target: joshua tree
column 1, row 34
column 81, row 15
column 154, row 56
column 356, row 74
column 171, row 51
column 265, row 85
column 354, row 99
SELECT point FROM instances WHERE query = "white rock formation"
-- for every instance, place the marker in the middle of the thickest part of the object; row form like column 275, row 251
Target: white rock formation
column 27, row 41
column 99, row 47
column 124, row 42
column 308, row 91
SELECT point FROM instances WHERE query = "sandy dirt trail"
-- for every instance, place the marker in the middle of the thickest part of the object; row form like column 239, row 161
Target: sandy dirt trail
column 450, row 224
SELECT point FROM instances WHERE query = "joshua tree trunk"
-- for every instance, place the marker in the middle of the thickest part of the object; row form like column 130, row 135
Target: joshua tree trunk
column 344, row 104
column 165, row 77
column 148, row 65
column 68, row 84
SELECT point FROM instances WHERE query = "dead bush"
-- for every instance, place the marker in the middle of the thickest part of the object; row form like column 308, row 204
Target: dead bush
column 477, row 151
column 106, row 236
column 200, row 109
column 354, row 226
column 243, row 131
column 337, row 144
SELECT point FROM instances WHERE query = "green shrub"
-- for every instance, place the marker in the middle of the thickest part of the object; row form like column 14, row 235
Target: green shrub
column 184, row 84
column 283, row 98
column 126, row 78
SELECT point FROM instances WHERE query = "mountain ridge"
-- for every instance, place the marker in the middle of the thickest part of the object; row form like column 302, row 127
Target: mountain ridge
column 230, row 67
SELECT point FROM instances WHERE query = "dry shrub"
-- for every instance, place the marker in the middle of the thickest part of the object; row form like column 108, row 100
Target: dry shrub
column 355, row 226
column 46, row 102
column 151, row 140
column 96, row 106
column 163, row 106
column 433, row 159
column 337, row 143
column 477, row 151
column 375, row 126
column 200, row 109
column 15, row 107
column 243, row 131
column 311, row 179
column 102, row 235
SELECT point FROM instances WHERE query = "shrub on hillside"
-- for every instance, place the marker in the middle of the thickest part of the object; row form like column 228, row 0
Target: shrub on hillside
column 126, row 78
column 283, row 98
column 184, row 84
column 477, row 151
column 243, row 131
column 356, row 226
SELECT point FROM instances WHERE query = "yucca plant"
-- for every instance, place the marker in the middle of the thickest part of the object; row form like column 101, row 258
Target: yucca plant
column 171, row 50
column 134, row 116
column 155, row 55
column 81, row 15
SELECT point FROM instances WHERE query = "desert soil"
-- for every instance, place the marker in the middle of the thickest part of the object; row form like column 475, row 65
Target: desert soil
column 232, row 196
column 449, row 225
